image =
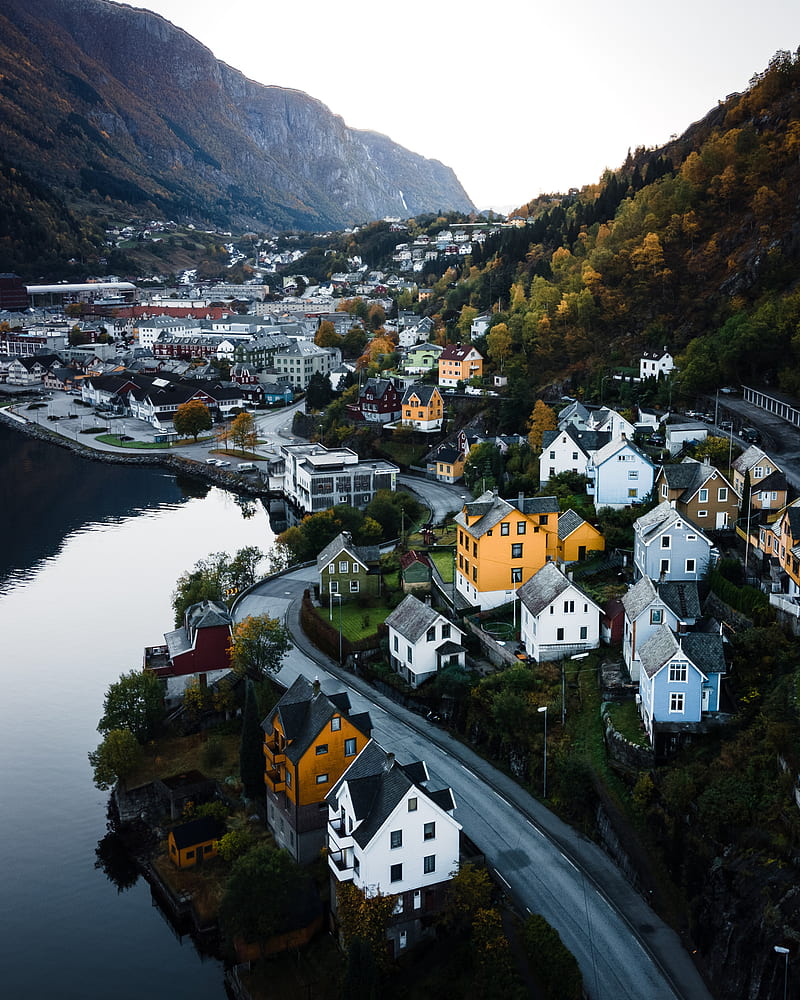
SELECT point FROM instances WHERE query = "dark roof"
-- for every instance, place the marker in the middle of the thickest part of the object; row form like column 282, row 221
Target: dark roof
column 774, row 481
column 682, row 597
column 536, row 505
column 543, row 588
column 378, row 783
column 303, row 714
column 197, row 831
column 456, row 352
column 568, row 522
column 367, row 555
column 423, row 392
column 412, row 556
column 705, row 650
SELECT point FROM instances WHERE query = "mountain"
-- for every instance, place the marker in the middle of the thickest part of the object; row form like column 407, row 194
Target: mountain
column 694, row 246
column 101, row 101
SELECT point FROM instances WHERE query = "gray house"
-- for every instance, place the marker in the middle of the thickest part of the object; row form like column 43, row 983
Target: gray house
column 667, row 546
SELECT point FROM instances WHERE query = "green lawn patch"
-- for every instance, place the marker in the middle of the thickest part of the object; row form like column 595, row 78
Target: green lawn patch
column 627, row 722
column 443, row 561
column 358, row 622
column 404, row 454
column 112, row 439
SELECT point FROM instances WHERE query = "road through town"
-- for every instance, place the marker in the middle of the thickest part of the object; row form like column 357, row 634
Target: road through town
column 625, row 951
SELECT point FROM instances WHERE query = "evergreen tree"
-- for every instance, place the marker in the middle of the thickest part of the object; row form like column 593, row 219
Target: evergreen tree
column 251, row 756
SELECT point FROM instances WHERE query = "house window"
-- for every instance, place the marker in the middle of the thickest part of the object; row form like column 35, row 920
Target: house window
column 516, row 575
column 758, row 472
column 504, row 529
column 409, row 654
column 664, row 490
column 445, row 631
column 633, row 474
column 356, row 865
column 584, row 632
column 396, row 873
column 418, row 899
column 343, row 566
column 396, row 644
column 398, row 908
column 475, row 550
column 663, row 567
column 429, row 831
column 321, row 748
column 516, row 550
column 677, row 672
column 552, row 455
column 666, row 541
column 403, row 939
column 334, row 586
column 633, row 494
column 543, row 518
column 559, row 635
column 574, row 456
column 521, row 527
column 332, row 568
column 350, row 747
column 322, row 779
column 288, row 778
column 676, row 701
column 722, row 494
column 690, row 566
column 429, row 864
column 396, row 839
column 702, row 513
column 190, row 854
column 354, row 585
column 569, row 607
column 412, row 805
column 703, row 496
column 431, row 634
column 475, row 573
column 656, row 616
column 336, row 723
column 691, row 538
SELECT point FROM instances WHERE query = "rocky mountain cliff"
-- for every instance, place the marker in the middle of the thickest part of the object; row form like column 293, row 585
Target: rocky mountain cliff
column 103, row 101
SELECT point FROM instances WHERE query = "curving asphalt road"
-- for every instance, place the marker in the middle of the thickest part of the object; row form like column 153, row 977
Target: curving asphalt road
column 624, row 950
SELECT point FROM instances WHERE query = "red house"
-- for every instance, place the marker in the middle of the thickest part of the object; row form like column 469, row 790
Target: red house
column 378, row 402
column 196, row 651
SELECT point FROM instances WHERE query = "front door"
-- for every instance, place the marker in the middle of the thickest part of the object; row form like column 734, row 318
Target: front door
column 581, row 552
column 722, row 519
column 706, row 699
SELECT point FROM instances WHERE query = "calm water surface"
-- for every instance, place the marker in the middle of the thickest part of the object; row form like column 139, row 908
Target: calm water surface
column 89, row 555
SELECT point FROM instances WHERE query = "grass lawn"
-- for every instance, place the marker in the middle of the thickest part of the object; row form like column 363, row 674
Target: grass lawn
column 244, row 456
column 443, row 561
column 114, row 440
column 185, row 753
column 627, row 722
column 404, row 454
column 357, row 621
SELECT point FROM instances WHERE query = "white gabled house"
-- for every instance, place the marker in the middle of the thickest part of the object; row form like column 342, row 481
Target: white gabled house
column 651, row 365
column 619, row 475
column 648, row 607
column 557, row 618
column 421, row 641
column 389, row 835
column 667, row 546
column 569, row 450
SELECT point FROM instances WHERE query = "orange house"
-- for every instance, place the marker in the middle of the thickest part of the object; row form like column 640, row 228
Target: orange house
column 459, row 363
column 310, row 739
column 423, row 407
column 577, row 538
column 194, row 842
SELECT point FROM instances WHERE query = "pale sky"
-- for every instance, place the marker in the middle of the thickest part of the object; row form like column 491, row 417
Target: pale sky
column 519, row 97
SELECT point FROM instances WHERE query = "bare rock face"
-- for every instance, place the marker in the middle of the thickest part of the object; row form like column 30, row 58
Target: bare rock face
column 103, row 100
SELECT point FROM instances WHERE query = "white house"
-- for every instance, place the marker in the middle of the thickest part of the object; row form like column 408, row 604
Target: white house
column 648, row 607
column 148, row 330
column 421, row 641
column 389, row 835
column 686, row 432
column 557, row 618
column 619, row 475
column 666, row 546
column 568, row 450
column 651, row 365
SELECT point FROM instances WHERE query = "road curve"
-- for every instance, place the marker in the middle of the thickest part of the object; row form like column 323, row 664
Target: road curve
column 624, row 950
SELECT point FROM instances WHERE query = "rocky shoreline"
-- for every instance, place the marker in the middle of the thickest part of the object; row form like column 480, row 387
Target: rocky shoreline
column 178, row 464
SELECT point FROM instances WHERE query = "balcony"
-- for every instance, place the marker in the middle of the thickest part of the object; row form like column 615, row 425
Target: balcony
column 338, row 839
column 274, row 753
column 341, row 864
column 274, row 780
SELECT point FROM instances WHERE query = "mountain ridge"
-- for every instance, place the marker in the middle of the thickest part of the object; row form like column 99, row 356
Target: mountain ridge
column 105, row 100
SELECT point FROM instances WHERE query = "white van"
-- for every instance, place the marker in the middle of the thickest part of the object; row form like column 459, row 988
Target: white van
column 246, row 467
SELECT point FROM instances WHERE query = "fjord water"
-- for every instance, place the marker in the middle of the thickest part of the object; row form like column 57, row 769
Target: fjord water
column 89, row 555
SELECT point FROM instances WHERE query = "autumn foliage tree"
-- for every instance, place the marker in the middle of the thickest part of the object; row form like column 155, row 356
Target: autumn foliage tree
column 541, row 419
column 258, row 645
column 364, row 918
column 243, row 432
column 192, row 417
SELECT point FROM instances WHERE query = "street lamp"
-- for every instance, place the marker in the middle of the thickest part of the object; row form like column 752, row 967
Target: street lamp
column 785, row 952
column 543, row 708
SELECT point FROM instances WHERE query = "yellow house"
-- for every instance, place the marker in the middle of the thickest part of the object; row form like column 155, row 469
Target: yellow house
column 459, row 363
column 501, row 544
column 423, row 407
column 768, row 489
column 310, row 739
column 194, row 842
column 577, row 538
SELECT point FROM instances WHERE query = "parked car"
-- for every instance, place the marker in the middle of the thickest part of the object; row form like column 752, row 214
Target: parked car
column 751, row 435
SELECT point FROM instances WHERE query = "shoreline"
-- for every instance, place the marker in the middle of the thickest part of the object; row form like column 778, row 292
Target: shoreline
column 174, row 463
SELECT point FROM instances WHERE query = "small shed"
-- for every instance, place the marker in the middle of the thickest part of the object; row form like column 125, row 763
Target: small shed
column 415, row 570
column 195, row 841
column 179, row 790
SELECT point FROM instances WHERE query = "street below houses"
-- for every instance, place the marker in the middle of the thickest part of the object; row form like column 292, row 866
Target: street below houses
column 625, row 951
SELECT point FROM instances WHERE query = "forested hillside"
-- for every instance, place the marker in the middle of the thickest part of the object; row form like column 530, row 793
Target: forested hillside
column 693, row 246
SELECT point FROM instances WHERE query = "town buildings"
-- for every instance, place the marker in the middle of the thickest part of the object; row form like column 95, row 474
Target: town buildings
column 316, row 478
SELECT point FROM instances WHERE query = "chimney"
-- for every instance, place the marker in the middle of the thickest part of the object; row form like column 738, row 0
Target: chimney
column 315, row 687
column 389, row 762
column 521, row 501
